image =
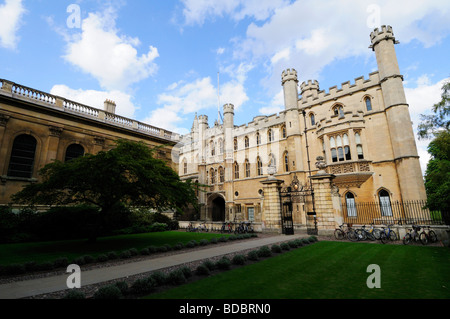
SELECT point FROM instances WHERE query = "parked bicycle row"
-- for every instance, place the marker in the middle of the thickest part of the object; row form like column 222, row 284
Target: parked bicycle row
column 227, row 227
column 422, row 234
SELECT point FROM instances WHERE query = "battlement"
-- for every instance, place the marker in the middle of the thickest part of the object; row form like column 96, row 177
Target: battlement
column 289, row 75
column 335, row 92
column 228, row 108
column 378, row 35
column 203, row 119
column 310, row 85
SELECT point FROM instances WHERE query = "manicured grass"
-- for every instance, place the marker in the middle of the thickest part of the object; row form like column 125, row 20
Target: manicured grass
column 331, row 270
column 49, row 251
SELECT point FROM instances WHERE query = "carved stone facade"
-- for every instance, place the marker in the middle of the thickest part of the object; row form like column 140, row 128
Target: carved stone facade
column 37, row 128
column 361, row 132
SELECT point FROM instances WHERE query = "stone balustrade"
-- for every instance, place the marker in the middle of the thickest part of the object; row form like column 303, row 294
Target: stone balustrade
column 14, row 90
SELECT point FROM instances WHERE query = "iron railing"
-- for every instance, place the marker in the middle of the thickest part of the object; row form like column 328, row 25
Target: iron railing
column 398, row 212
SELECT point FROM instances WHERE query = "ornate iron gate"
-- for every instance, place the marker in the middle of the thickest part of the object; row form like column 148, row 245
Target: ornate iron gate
column 297, row 193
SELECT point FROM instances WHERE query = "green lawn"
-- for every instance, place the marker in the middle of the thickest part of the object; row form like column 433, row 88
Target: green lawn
column 331, row 270
column 49, row 251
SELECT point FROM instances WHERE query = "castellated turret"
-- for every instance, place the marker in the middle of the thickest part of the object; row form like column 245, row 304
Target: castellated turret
column 289, row 81
column 310, row 88
column 385, row 33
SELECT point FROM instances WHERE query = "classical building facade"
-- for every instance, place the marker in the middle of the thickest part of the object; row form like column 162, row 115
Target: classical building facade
column 361, row 132
column 37, row 128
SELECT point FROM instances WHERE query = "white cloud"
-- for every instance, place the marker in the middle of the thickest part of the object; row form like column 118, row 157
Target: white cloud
column 183, row 98
column 96, row 99
column 109, row 57
column 276, row 105
column 198, row 11
column 421, row 100
column 11, row 13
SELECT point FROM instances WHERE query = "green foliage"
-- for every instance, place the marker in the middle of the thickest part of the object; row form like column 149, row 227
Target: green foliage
column 276, row 249
column 253, row 255
column 75, row 295
column 209, row 264
column 126, row 175
column 176, row 277
column 159, row 278
column 223, row 263
column 264, row 252
column 285, row 246
column 110, row 292
column 123, row 287
column 202, row 270
column 238, row 260
column 143, row 286
column 440, row 121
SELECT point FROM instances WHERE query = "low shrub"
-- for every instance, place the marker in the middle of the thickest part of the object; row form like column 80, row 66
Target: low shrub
column 238, row 260
column 204, row 242
column 14, row 269
column 187, row 272
column 305, row 241
column 223, row 239
column 152, row 249
column 214, row 240
column 123, row 287
column 112, row 255
column 159, row 278
column 264, row 252
column 176, row 277
column 143, row 286
column 223, row 263
column 158, row 227
column 30, row 266
column 276, row 249
column 75, row 295
column 133, row 252
column 253, row 255
column 285, row 246
column 108, row 292
column 79, row 261
column 102, row 258
column 178, row 246
column 298, row 242
column 125, row 254
column 209, row 264
column 292, row 244
column 161, row 249
column 145, row 251
column 88, row 259
column 202, row 270
column 61, row 262
column 45, row 266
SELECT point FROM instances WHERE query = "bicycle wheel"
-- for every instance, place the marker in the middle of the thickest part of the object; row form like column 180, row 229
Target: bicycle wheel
column 339, row 234
column 377, row 233
column 371, row 236
column 393, row 236
column 407, row 239
column 423, row 238
column 351, row 235
column 433, row 236
column 362, row 235
column 383, row 237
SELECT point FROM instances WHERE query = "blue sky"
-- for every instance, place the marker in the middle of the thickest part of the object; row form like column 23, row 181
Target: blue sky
column 159, row 60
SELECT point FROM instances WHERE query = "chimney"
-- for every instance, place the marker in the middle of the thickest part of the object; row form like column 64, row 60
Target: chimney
column 110, row 106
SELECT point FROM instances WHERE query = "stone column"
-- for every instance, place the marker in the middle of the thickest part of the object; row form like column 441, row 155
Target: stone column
column 271, row 215
column 322, row 184
column 53, row 144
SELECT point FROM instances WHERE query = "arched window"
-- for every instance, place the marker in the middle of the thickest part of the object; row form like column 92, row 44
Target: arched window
column 283, row 131
column 213, row 148
column 185, row 167
column 340, row 148
column 235, row 144
column 213, row 176
column 313, row 119
column 247, row 142
column 351, row 204
column 338, row 110
column 385, row 203
column 221, row 175
column 270, row 137
column 221, row 148
column 286, row 162
column 368, row 104
column 247, row 168
column 75, row 151
column 258, row 139
column 23, row 152
column 359, row 147
column 259, row 170
column 236, row 170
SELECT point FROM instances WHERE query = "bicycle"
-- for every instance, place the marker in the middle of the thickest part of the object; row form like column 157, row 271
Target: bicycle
column 203, row 227
column 412, row 235
column 226, row 228
column 341, row 233
column 191, row 228
column 249, row 227
column 427, row 236
column 356, row 234
column 240, row 229
column 388, row 235
column 372, row 233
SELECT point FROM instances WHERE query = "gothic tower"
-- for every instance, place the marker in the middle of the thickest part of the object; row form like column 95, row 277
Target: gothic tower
column 398, row 117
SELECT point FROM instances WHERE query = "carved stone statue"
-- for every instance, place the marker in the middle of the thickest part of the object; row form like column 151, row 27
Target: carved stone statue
column 321, row 165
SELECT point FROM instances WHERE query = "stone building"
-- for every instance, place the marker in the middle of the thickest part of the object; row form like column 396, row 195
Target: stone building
column 37, row 128
column 362, row 130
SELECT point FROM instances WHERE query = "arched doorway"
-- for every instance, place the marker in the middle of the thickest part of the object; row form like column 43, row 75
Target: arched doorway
column 217, row 208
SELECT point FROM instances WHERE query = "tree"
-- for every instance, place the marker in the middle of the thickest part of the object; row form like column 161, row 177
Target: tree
column 440, row 120
column 437, row 176
column 126, row 175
